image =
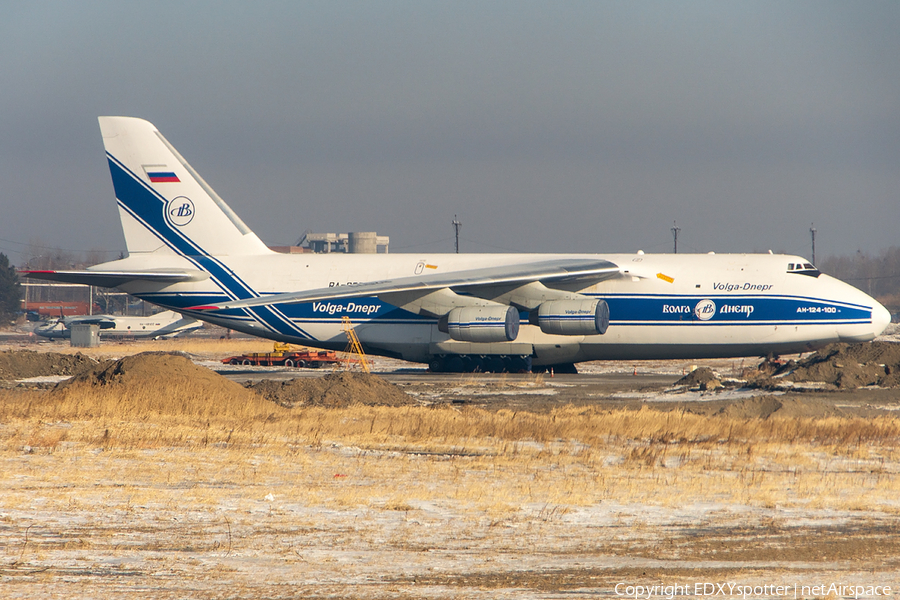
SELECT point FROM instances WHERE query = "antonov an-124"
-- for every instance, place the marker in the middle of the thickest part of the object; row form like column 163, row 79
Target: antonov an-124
column 190, row 253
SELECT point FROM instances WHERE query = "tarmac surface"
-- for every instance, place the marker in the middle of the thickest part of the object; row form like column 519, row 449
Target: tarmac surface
column 610, row 385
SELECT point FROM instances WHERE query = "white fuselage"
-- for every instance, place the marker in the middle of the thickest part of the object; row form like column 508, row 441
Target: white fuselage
column 661, row 306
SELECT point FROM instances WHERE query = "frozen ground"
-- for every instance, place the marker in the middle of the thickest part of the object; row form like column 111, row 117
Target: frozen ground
column 164, row 523
column 337, row 520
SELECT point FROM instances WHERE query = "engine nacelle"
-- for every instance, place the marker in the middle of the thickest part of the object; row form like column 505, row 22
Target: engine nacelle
column 572, row 317
column 481, row 324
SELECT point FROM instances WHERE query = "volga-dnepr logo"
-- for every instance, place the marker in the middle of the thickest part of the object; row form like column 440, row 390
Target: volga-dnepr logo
column 180, row 211
column 705, row 310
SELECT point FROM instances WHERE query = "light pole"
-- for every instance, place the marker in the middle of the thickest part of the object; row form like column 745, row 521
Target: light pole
column 675, row 230
column 812, row 233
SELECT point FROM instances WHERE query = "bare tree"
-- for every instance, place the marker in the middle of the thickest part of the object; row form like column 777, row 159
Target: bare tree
column 10, row 290
column 877, row 275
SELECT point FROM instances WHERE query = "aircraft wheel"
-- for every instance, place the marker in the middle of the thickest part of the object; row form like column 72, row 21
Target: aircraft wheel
column 453, row 364
column 472, row 364
column 515, row 364
column 436, row 366
column 565, row 369
column 493, row 364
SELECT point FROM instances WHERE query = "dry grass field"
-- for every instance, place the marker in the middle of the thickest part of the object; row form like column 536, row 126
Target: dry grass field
column 168, row 490
column 209, row 348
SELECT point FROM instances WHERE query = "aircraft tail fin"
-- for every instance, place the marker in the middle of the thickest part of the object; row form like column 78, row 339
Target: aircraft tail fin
column 164, row 204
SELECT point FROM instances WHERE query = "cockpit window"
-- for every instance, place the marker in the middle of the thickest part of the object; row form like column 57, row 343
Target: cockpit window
column 803, row 269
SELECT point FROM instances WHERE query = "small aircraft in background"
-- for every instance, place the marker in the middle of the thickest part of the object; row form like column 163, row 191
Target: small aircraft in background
column 161, row 325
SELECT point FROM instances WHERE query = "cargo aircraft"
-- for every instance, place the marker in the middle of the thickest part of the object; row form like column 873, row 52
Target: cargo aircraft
column 189, row 252
column 166, row 324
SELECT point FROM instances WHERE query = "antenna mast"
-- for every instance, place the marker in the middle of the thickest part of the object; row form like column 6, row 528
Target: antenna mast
column 456, row 226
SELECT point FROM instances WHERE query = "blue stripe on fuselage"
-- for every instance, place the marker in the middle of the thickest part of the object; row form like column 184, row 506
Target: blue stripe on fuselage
column 732, row 310
column 655, row 310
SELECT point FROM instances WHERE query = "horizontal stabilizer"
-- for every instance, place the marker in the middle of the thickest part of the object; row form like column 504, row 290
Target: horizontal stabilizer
column 116, row 278
column 469, row 281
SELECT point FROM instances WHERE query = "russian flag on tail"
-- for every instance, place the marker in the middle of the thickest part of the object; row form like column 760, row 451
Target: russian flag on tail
column 160, row 174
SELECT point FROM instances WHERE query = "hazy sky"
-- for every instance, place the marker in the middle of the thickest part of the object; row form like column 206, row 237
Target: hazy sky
column 545, row 126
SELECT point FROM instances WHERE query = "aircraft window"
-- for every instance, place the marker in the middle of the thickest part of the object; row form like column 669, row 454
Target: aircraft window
column 803, row 269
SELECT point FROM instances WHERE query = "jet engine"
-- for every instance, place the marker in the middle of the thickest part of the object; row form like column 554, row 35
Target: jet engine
column 572, row 317
column 481, row 324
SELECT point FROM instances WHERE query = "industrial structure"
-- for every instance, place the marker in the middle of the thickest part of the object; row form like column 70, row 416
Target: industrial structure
column 354, row 242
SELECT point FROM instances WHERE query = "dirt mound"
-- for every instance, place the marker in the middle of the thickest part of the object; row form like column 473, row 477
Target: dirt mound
column 849, row 365
column 335, row 390
column 763, row 407
column 702, row 377
column 158, row 383
column 162, row 371
column 21, row 364
column 810, row 408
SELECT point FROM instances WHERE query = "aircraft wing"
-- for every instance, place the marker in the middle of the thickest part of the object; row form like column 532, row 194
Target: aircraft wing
column 116, row 278
column 469, row 281
column 103, row 321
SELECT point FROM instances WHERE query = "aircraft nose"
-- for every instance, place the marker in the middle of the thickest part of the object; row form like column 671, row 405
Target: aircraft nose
column 881, row 318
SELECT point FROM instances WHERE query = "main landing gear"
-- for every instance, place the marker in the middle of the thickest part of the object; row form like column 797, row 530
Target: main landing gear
column 473, row 363
column 560, row 369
